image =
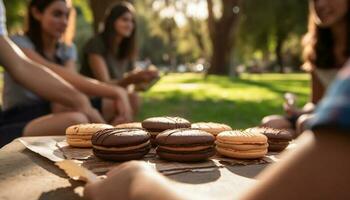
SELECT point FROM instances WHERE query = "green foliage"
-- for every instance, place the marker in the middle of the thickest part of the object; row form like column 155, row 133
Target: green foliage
column 240, row 102
column 263, row 23
column 16, row 11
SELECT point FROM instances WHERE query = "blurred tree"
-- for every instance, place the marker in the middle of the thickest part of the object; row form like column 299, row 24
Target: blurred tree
column 221, row 30
column 267, row 27
column 15, row 13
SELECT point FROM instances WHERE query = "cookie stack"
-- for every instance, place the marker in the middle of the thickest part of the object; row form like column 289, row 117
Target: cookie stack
column 80, row 135
column 241, row 144
column 156, row 125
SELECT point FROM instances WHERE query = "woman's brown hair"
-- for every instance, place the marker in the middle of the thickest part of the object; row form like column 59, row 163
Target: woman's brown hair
column 34, row 29
column 318, row 44
column 127, row 47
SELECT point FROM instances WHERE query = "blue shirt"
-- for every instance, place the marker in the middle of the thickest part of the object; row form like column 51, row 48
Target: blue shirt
column 334, row 109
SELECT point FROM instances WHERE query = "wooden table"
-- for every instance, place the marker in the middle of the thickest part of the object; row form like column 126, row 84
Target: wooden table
column 27, row 175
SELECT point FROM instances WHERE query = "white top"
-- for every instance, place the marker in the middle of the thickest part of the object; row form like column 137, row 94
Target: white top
column 326, row 76
column 3, row 30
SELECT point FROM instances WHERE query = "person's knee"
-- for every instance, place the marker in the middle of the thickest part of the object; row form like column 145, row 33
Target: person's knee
column 76, row 118
column 135, row 101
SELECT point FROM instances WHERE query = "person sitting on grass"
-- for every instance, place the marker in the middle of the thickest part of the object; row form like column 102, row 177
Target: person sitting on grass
column 18, row 66
column 109, row 56
column 43, row 43
column 326, row 48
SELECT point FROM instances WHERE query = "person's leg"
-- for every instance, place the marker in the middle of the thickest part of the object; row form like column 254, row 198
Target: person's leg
column 108, row 109
column 276, row 121
column 135, row 101
column 53, row 124
column 109, row 112
column 58, row 108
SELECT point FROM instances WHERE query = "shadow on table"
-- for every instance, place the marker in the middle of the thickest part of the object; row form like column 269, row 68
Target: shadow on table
column 248, row 171
column 197, row 176
column 44, row 163
column 65, row 193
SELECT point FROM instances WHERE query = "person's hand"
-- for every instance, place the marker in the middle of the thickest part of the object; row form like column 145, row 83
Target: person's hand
column 83, row 105
column 144, row 76
column 119, row 181
column 122, row 105
column 291, row 110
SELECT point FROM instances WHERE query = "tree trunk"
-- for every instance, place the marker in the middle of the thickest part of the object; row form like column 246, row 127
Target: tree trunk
column 220, row 59
column 221, row 34
column 278, row 52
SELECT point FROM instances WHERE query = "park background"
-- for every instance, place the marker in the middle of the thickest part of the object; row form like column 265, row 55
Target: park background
column 226, row 61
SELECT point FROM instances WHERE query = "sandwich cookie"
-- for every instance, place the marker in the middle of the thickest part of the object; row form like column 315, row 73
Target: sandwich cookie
column 156, row 125
column 211, row 127
column 121, row 144
column 241, row 144
column 130, row 125
column 80, row 135
column 185, row 145
column 278, row 139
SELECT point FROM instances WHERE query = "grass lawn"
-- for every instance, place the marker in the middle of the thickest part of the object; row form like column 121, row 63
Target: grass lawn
column 239, row 102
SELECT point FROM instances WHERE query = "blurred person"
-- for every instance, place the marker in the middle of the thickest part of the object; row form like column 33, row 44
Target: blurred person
column 43, row 42
column 109, row 56
column 55, row 89
column 326, row 49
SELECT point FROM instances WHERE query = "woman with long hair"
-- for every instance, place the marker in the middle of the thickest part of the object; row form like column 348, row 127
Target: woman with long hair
column 109, row 56
column 47, row 26
column 326, row 49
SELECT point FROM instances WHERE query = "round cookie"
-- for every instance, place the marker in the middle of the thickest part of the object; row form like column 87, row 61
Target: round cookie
column 80, row 135
column 130, row 125
column 278, row 139
column 185, row 145
column 250, row 154
column 241, row 144
column 211, row 127
column 159, row 124
column 121, row 144
column 156, row 125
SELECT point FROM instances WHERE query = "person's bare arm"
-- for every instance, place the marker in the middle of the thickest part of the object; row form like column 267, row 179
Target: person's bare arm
column 134, row 180
column 99, row 67
column 317, row 89
column 100, row 71
column 70, row 66
column 46, row 83
column 318, row 168
column 91, row 87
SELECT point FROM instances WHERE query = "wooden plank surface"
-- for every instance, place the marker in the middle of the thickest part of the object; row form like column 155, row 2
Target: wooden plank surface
column 26, row 175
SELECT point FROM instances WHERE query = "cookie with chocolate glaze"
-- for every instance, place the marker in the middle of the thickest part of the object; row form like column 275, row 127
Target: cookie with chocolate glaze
column 278, row 139
column 185, row 145
column 121, row 144
column 156, row 125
